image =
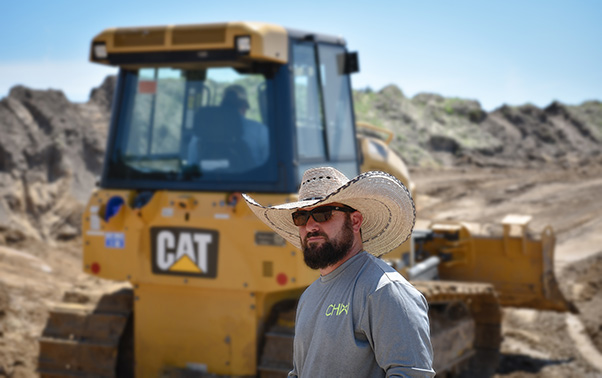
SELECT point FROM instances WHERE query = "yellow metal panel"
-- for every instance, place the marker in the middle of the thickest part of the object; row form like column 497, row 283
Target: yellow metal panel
column 127, row 38
column 180, row 326
column 268, row 41
column 244, row 244
column 116, row 262
column 374, row 160
column 191, row 35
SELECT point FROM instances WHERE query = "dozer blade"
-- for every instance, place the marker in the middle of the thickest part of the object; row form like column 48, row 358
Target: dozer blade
column 519, row 266
column 83, row 339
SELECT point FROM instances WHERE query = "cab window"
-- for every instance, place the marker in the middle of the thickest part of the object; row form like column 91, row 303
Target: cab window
column 308, row 105
column 325, row 133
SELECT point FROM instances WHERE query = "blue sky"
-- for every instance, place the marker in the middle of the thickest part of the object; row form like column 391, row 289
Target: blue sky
column 493, row 51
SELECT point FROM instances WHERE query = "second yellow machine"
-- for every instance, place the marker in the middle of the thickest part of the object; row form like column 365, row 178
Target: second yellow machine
column 201, row 114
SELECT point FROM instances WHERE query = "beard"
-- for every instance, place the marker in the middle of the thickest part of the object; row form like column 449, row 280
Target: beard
column 319, row 256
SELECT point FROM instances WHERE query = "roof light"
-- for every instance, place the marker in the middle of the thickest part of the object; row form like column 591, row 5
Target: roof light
column 100, row 51
column 243, row 44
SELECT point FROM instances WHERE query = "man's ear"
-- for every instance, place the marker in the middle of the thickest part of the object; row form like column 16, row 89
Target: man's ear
column 356, row 221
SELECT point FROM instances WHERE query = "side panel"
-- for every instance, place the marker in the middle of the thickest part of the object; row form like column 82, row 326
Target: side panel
column 110, row 248
column 249, row 255
column 206, row 273
column 182, row 326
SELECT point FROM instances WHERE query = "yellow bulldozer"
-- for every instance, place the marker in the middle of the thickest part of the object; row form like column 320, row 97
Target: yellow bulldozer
column 203, row 113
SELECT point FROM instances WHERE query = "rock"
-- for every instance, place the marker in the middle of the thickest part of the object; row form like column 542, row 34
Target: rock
column 441, row 143
column 392, row 91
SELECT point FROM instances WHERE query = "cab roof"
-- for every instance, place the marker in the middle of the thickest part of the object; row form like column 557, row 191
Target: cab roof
column 268, row 42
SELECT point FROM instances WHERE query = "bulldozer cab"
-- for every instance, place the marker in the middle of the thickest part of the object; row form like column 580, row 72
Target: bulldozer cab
column 248, row 112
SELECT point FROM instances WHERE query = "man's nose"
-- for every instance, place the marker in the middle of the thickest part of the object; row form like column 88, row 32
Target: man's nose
column 312, row 225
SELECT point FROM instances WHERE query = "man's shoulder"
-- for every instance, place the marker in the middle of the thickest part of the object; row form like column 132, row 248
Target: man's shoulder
column 378, row 274
column 375, row 265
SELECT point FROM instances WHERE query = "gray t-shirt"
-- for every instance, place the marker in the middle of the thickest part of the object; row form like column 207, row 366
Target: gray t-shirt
column 364, row 319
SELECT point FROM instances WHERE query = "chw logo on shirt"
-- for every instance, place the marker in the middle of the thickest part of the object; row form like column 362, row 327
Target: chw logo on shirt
column 337, row 309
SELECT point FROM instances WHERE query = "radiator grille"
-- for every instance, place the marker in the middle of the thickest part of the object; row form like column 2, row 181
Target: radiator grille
column 139, row 37
column 192, row 35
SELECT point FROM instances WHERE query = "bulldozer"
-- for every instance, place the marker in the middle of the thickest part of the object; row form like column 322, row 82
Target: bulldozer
column 203, row 113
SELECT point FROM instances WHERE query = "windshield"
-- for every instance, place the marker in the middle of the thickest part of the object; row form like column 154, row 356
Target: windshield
column 200, row 126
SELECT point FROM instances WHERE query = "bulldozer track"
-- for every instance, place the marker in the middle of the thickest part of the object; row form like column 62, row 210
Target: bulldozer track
column 484, row 310
column 88, row 339
column 276, row 358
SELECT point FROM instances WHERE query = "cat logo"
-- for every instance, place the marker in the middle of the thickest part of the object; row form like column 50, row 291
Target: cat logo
column 184, row 251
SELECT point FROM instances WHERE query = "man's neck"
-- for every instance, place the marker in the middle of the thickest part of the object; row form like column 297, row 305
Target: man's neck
column 331, row 268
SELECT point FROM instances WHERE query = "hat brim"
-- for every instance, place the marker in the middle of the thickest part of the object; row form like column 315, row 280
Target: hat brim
column 385, row 203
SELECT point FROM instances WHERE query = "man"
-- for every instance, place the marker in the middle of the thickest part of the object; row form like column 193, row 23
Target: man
column 361, row 318
column 255, row 134
column 226, row 138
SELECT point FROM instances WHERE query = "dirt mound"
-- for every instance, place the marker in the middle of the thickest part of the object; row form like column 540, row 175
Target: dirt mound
column 554, row 134
column 538, row 344
column 583, row 282
column 432, row 130
column 51, row 153
column 544, row 344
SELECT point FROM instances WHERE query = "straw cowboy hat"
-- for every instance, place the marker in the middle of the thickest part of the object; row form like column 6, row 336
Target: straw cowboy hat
column 385, row 203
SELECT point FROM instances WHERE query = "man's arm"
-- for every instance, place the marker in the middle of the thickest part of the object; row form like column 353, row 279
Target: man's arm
column 397, row 326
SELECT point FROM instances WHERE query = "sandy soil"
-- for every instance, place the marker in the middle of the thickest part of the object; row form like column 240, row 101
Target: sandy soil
column 536, row 343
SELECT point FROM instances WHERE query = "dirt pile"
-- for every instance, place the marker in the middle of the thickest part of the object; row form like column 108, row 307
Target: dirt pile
column 51, row 152
column 583, row 283
column 433, row 130
column 550, row 344
column 558, row 133
column 33, row 275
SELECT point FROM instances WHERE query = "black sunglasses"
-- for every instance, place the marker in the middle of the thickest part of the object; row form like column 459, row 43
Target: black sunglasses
column 319, row 214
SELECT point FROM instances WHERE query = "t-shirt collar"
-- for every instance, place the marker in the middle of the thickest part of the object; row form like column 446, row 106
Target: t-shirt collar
column 335, row 273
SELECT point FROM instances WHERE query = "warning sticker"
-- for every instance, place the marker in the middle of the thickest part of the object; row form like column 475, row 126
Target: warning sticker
column 147, row 86
column 114, row 240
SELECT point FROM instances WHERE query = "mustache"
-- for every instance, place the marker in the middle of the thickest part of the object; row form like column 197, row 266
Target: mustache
column 315, row 233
